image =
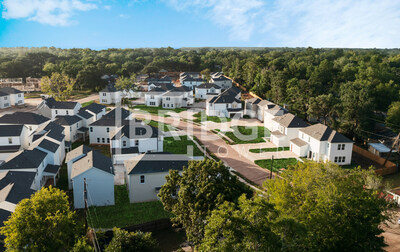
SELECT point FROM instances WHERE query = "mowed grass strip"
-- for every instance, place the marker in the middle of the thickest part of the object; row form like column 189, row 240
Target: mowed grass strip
column 124, row 214
column 161, row 126
column 261, row 132
column 277, row 165
column 180, row 146
column 199, row 118
column 158, row 110
column 269, row 149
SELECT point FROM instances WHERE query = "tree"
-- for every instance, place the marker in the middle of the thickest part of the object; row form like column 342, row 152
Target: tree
column 43, row 222
column 58, row 85
column 206, row 74
column 341, row 210
column 131, row 242
column 393, row 116
column 124, row 83
column 323, row 107
column 203, row 186
column 248, row 227
column 82, row 246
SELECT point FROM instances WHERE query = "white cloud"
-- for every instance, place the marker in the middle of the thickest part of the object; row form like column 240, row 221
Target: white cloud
column 124, row 16
column 317, row 23
column 52, row 12
column 107, row 7
column 239, row 16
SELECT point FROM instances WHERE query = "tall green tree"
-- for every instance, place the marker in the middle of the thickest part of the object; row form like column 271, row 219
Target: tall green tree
column 43, row 222
column 124, row 241
column 393, row 116
column 124, row 83
column 59, row 86
column 192, row 196
column 341, row 210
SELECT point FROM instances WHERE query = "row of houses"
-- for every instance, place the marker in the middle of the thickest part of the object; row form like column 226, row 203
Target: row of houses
column 194, row 79
column 316, row 142
column 28, row 84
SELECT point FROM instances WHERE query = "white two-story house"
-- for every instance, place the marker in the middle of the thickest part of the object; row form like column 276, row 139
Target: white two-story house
column 222, row 81
column 12, row 139
column 4, row 100
column 51, row 108
column 191, row 82
column 16, row 96
column 286, row 128
column 31, row 120
column 227, row 104
column 72, row 126
column 177, row 98
column 320, row 143
column 207, row 90
column 110, row 95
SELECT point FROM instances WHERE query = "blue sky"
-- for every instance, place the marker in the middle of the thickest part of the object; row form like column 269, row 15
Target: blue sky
column 100, row 24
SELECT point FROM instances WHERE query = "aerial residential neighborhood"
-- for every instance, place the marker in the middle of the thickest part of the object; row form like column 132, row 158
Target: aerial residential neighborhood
column 236, row 125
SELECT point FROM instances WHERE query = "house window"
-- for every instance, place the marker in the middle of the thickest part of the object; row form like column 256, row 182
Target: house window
column 103, row 140
column 172, row 105
column 66, row 112
column 98, row 140
column 5, row 98
column 168, row 98
column 104, row 94
column 108, row 130
column 91, row 129
column 124, row 143
column 70, row 128
column 136, row 142
column 152, row 103
column 336, row 159
column 56, row 112
column 10, row 140
column 343, row 159
column 30, row 127
column 152, row 97
column 142, row 179
column 340, row 146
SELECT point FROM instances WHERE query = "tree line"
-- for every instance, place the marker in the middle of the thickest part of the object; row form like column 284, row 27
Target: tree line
column 343, row 88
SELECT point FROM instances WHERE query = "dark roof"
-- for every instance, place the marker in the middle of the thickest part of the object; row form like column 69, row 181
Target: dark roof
column 136, row 131
column 220, row 78
column 53, row 104
column 110, row 120
column 52, row 126
column 290, row 121
column 110, row 88
column 10, row 130
column 83, row 129
column 26, row 159
column 56, row 135
column 67, row 120
column 324, row 133
column 10, row 90
column 124, row 113
column 95, row 108
column 49, row 145
column 3, row 94
column 52, row 169
column 9, row 148
column 4, row 214
column 190, row 78
column 181, row 89
column 208, row 86
column 228, row 96
column 21, row 185
column 84, row 114
column 159, row 87
column 254, row 100
column 156, row 162
column 23, row 118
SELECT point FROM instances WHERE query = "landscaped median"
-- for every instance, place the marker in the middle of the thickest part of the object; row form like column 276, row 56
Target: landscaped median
column 247, row 134
column 277, row 165
column 261, row 150
column 124, row 213
column 202, row 117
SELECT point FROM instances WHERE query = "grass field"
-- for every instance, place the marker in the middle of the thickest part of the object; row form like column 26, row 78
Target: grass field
column 247, row 131
column 180, row 146
column 278, row 163
column 85, row 104
column 103, row 149
column 165, row 127
column 158, row 110
column 124, row 214
column 269, row 149
column 215, row 119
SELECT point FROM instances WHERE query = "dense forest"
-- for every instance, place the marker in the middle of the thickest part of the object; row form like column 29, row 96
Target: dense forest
column 344, row 88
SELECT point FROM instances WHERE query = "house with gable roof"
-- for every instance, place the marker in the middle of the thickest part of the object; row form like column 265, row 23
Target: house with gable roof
column 227, row 104
column 51, row 108
column 318, row 142
column 5, row 100
column 31, row 120
column 110, row 95
column 285, row 128
column 207, row 90
column 16, row 96
column 221, row 81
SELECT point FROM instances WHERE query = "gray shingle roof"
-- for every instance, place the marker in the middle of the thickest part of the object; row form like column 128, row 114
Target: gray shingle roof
column 10, row 90
column 49, row 145
column 3, row 94
column 290, row 121
column 26, row 159
column 110, row 120
column 82, row 149
column 95, row 108
column 92, row 159
column 84, row 114
column 21, row 186
column 208, row 86
column 53, row 104
column 110, row 88
column 297, row 141
column 10, row 130
column 23, row 118
column 324, row 133
column 156, row 162
column 228, row 96
column 136, row 131
column 67, row 120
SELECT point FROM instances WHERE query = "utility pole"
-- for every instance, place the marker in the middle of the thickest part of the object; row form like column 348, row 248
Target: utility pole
column 272, row 164
column 391, row 149
column 85, row 200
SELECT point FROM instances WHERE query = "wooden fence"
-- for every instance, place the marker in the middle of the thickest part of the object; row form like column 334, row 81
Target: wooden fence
column 365, row 159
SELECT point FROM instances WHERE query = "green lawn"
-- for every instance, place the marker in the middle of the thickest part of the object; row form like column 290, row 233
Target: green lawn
column 32, row 95
column 261, row 132
column 79, row 94
column 62, row 181
column 269, row 149
column 87, row 103
column 158, row 110
column 103, row 149
column 278, row 163
column 215, row 119
column 124, row 214
column 165, row 128
column 180, row 146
